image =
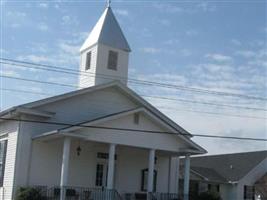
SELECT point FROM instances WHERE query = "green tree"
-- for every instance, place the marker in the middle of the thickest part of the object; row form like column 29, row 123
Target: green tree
column 28, row 193
column 209, row 196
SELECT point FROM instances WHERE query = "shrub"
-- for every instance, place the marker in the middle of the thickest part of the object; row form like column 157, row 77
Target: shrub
column 209, row 196
column 28, row 193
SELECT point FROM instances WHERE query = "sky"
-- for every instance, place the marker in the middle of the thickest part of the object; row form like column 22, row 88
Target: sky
column 210, row 45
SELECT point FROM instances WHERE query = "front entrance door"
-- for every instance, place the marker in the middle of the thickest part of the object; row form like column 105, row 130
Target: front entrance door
column 101, row 174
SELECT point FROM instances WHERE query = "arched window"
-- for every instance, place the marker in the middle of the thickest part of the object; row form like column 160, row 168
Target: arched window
column 145, row 178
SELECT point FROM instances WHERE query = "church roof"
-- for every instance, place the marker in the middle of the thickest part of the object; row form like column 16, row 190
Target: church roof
column 124, row 89
column 107, row 31
column 232, row 167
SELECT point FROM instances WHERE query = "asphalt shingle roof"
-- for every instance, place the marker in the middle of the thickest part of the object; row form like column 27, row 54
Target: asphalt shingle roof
column 228, row 167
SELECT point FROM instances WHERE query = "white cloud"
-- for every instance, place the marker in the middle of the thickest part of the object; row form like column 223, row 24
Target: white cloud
column 16, row 19
column 3, row 51
column 171, row 41
column 37, row 47
column 73, row 50
column 69, row 20
column 186, row 52
column 169, row 8
column 151, row 50
column 236, row 42
column 8, row 72
column 42, row 26
column 246, row 53
column 43, row 5
column 16, row 14
column 34, row 58
column 121, row 12
column 194, row 8
column 191, row 32
column 165, row 22
column 218, row 57
column 206, row 7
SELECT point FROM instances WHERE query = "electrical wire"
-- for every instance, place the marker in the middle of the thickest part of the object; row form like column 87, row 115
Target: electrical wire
column 139, row 81
column 132, row 130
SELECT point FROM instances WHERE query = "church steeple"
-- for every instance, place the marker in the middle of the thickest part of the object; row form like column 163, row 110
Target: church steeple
column 105, row 52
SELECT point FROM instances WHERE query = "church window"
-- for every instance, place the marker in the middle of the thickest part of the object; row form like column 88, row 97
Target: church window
column 145, row 179
column 88, row 61
column 3, row 147
column 99, row 175
column 112, row 60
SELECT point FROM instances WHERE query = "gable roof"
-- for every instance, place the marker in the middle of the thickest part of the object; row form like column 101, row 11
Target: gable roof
column 107, row 31
column 208, row 174
column 232, row 167
column 94, row 122
column 125, row 90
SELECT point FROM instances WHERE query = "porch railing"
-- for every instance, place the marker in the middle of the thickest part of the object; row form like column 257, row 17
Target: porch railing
column 164, row 196
column 78, row 193
column 152, row 196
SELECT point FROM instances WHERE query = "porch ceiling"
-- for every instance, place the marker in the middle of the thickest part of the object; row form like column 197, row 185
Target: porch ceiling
column 55, row 135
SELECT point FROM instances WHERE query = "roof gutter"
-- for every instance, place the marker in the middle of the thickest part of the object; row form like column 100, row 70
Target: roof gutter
column 14, row 111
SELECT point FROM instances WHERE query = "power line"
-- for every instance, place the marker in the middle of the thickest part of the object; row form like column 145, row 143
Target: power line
column 134, row 130
column 213, row 113
column 203, row 102
column 138, row 81
column 38, row 81
column 149, row 96
column 25, row 91
column 156, row 97
column 163, row 107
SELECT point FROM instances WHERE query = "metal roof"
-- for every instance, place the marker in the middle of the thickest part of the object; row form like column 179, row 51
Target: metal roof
column 107, row 31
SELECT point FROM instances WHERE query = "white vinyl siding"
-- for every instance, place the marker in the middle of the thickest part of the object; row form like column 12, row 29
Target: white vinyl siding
column 10, row 130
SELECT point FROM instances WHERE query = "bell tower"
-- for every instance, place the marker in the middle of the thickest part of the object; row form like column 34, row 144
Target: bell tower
column 105, row 53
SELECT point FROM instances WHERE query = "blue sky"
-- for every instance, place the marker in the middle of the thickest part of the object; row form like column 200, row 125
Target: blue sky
column 215, row 45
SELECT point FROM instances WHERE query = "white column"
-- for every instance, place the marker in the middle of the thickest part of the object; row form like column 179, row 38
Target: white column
column 151, row 165
column 169, row 174
column 65, row 166
column 111, row 164
column 186, row 177
column 177, row 175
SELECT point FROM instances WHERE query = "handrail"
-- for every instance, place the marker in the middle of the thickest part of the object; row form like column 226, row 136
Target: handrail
column 118, row 195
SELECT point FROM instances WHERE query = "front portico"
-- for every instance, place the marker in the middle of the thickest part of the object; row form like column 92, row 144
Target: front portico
column 128, row 162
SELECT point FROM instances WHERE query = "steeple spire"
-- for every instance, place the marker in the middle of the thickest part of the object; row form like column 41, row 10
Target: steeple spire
column 107, row 31
column 105, row 52
column 108, row 3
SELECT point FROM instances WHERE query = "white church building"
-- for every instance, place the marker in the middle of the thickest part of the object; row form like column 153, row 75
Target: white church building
column 100, row 142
